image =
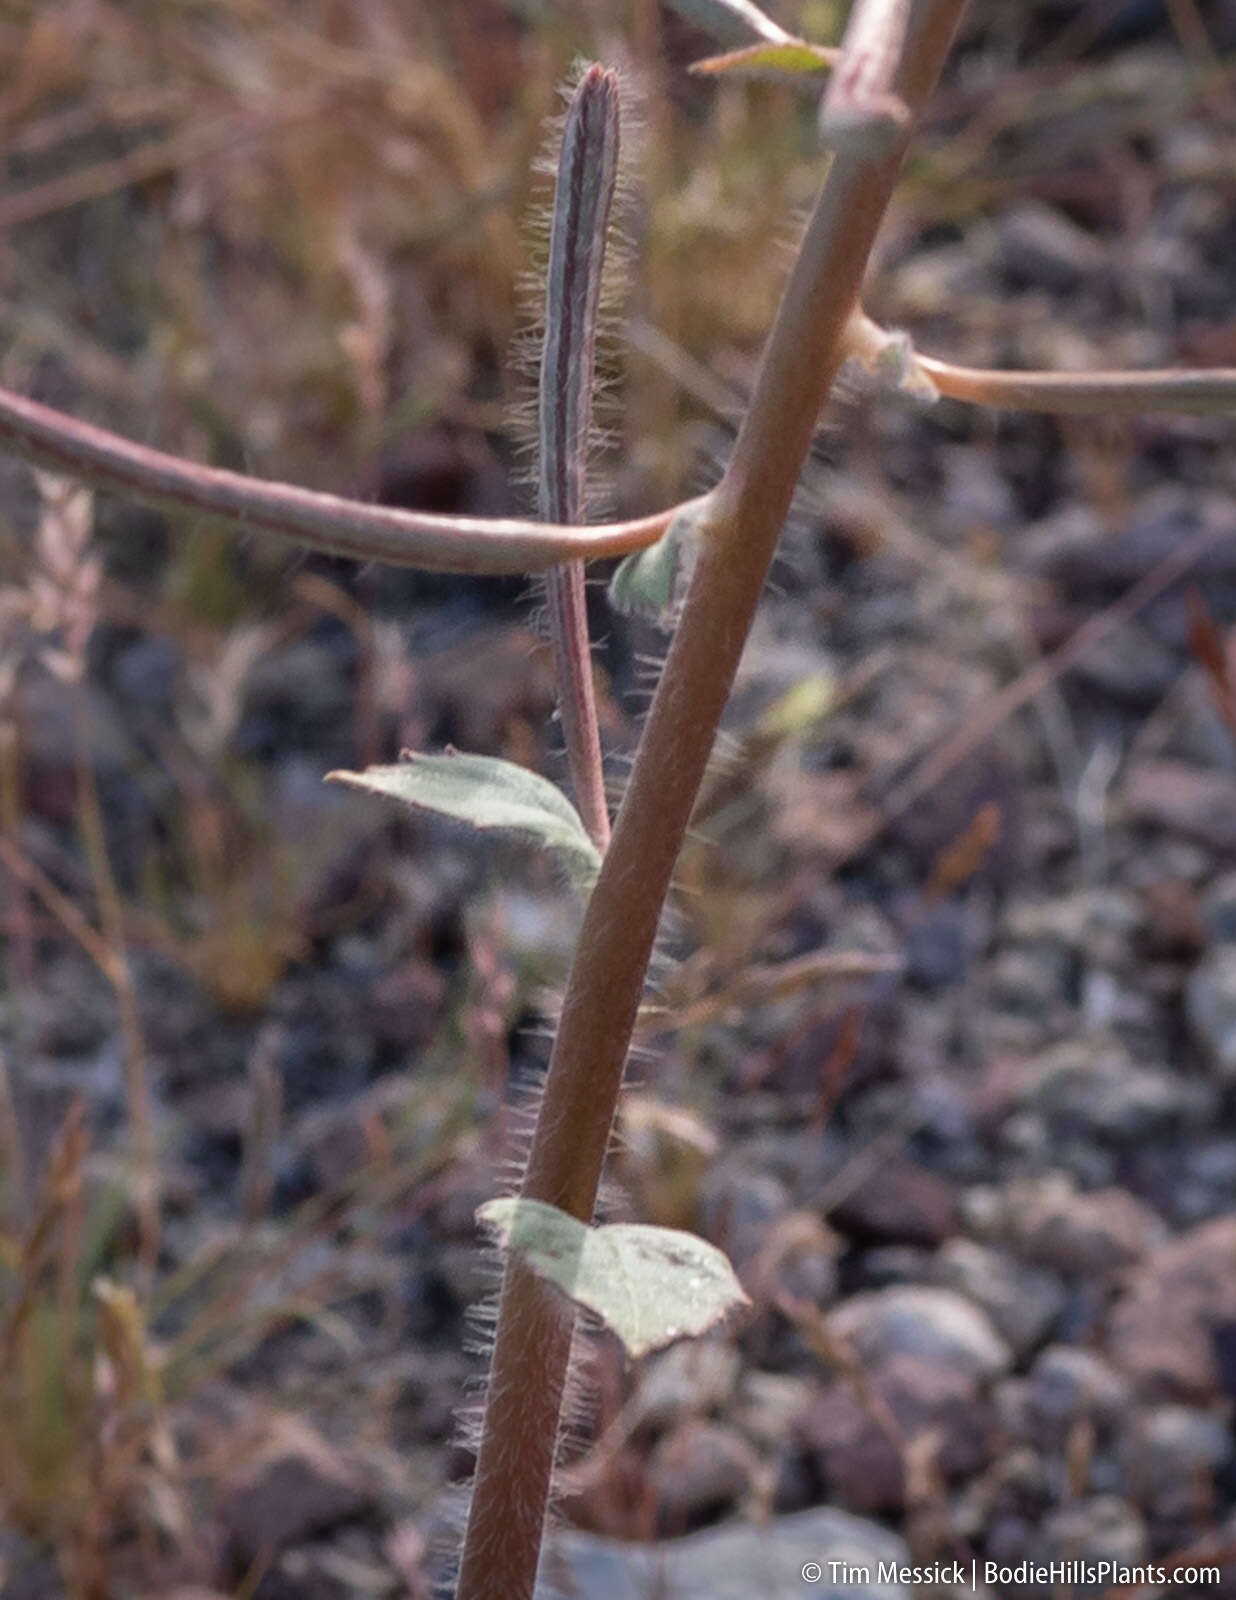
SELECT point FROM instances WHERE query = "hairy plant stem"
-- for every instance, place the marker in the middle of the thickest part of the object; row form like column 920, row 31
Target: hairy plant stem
column 528, row 1373
column 583, row 201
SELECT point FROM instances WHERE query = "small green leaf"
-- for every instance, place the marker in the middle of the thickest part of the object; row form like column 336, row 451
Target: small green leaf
column 489, row 794
column 650, row 1285
column 651, row 583
column 793, row 59
column 738, row 20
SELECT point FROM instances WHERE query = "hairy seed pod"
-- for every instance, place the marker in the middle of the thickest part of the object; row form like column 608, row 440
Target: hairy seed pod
column 583, row 201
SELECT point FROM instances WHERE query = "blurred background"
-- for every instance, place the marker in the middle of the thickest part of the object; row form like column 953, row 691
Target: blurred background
column 945, row 1047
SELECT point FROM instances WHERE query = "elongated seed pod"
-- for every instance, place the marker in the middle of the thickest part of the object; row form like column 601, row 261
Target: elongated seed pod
column 583, row 201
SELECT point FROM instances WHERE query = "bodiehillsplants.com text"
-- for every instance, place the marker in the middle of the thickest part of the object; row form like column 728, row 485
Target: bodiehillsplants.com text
column 1025, row 1574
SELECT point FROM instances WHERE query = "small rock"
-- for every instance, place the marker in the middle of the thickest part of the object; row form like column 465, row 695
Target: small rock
column 738, row 1206
column 1184, row 799
column 1173, row 928
column 857, row 1460
column 935, row 952
column 1023, row 1302
column 691, row 1378
column 862, row 1462
column 902, row 1202
column 1219, row 909
column 69, row 1008
column 1131, row 666
column 300, row 1487
column 300, row 698
column 769, row 1403
column 699, row 1471
column 1092, row 1088
column 1171, row 1456
column 1067, row 1384
column 984, row 1210
column 1210, row 1006
column 935, row 1325
column 329, row 1570
column 1028, row 982
column 1097, row 924
column 1104, row 1528
column 27, row 1571
column 1055, row 1225
column 890, row 1264
column 406, row 1006
column 144, row 678
column 1041, row 247
column 1207, row 1187
column 729, row 1563
column 1163, row 1327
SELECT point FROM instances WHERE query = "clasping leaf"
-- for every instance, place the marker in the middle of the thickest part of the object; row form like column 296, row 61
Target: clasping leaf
column 652, row 582
column 649, row 1285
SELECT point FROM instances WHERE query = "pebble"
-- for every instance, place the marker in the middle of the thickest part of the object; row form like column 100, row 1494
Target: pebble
column 769, row 1404
column 1041, row 246
column 731, row 1562
column 301, row 1487
column 1171, row 1455
column 1218, row 909
column 900, row 1203
column 691, row 1378
column 738, row 1205
column 1091, row 1087
column 1163, row 1327
column 1210, row 1007
column 1067, row 1384
column 930, row 1324
column 1084, row 1234
column 1022, row 1301
column 858, row 1458
column 698, row 1471
column 1103, row 1528
column 1186, row 799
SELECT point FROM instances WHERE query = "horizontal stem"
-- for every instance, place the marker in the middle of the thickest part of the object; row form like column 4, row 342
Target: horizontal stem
column 304, row 516
column 1200, row 390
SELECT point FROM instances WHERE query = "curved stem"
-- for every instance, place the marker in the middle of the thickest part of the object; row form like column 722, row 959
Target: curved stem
column 303, row 516
column 743, row 522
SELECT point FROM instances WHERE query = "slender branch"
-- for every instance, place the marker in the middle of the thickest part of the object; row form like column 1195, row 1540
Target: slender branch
column 583, row 199
column 303, row 516
column 743, row 521
column 1199, row 389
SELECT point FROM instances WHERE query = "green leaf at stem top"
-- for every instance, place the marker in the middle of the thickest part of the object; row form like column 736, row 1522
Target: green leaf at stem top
column 649, row 1285
column 488, row 793
column 791, row 58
